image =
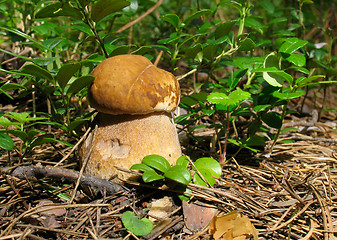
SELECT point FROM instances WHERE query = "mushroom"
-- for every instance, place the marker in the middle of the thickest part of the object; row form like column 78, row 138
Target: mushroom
column 135, row 101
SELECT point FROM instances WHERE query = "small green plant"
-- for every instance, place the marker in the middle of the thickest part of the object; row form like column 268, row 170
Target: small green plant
column 202, row 172
column 139, row 227
column 22, row 126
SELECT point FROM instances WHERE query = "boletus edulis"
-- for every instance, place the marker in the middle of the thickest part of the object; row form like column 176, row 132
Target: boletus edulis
column 135, row 101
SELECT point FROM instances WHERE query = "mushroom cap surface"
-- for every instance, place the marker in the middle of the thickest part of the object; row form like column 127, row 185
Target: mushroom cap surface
column 131, row 84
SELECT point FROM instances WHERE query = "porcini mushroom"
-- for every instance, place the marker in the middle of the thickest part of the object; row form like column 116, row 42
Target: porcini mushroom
column 135, row 100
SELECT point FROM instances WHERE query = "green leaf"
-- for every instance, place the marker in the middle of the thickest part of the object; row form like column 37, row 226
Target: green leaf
column 259, row 108
column 32, row 133
column 141, row 167
column 210, row 164
column 288, row 95
column 171, row 40
column 218, row 98
column 157, row 162
column 179, row 174
column 304, row 81
column 103, row 8
column 272, row 119
column 267, row 5
column 224, row 29
column 197, row 15
column 5, row 122
column 20, row 117
column 185, row 196
column 37, row 71
column 24, row 35
column 58, row 9
column 84, row 2
column 194, row 98
column 77, row 123
column 171, row 18
column 255, row 140
column 20, row 134
column 138, row 227
column 8, row 86
column 195, row 52
column 210, row 51
column 235, row 78
column 297, row 59
column 182, row 161
column 246, row 44
column 292, row 44
column 235, row 142
column 207, row 174
column 151, row 176
column 6, row 142
column 239, row 95
column 273, row 79
column 79, row 84
column 47, row 138
column 233, row 98
column 121, row 50
column 252, row 22
column 182, row 118
column 271, row 72
column 65, row 73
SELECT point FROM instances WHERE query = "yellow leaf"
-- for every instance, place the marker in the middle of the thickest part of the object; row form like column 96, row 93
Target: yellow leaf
column 232, row 226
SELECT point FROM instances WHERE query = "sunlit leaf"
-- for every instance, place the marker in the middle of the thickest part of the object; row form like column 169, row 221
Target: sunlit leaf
column 291, row 45
column 210, row 164
column 141, row 167
column 288, row 95
column 296, row 59
column 207, row 174
column 6, row 142
column 182, row 161
column 179, row 174
column 157, row 162
column 151, row 176
column 137, row 226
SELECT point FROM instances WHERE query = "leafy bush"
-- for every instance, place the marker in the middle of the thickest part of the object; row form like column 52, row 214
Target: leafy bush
column 202, row 172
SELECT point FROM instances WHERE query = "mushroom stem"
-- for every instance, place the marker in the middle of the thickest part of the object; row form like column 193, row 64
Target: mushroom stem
column 124, row 140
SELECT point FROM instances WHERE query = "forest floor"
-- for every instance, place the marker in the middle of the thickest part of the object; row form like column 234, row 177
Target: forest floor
column 290, row 194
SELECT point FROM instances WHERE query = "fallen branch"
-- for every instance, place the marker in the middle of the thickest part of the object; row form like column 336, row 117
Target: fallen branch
column 65, row 175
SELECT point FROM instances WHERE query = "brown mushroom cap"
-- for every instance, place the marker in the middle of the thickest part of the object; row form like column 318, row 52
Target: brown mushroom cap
column 131, row 84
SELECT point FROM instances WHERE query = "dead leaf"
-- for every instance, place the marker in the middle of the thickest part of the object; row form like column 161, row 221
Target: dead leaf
column 232, row 226
column 55, row 212
column 50, row 222
column 160, row 208
column 197, row 215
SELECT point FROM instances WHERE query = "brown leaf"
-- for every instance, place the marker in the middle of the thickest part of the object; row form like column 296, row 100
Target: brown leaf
column 232, row 226
column 55, row 212
column 160, row 208
column 197, row 216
